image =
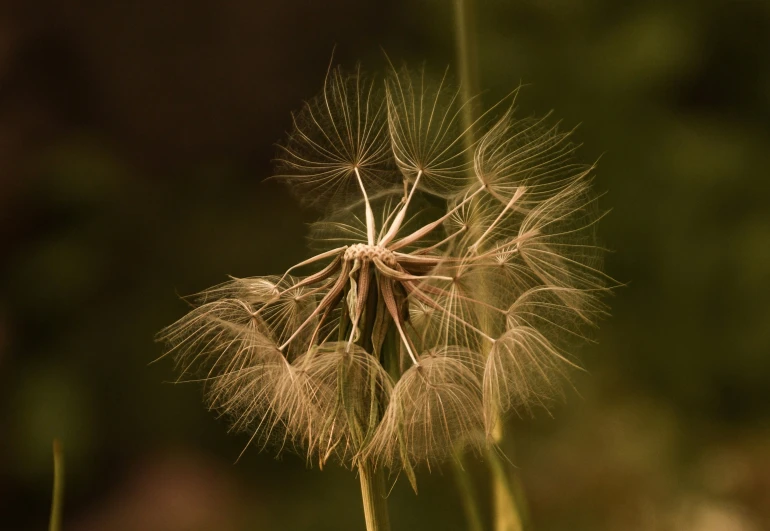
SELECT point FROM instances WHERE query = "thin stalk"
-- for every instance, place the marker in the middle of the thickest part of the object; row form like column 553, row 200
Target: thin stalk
column 467, row 493
column 373, row 495
column 465, row 46
column 506, row 510
column 372, row 477
column 370, row 228
column 57, row 499
column 506, row 513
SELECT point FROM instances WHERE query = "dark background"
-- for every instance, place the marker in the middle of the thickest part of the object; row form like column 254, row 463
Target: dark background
column 134, row 137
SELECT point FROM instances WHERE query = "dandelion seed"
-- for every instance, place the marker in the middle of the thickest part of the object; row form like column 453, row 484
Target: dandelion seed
column 434, row 406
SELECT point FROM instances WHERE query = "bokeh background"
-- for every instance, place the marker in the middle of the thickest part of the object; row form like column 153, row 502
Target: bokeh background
column 134, row 139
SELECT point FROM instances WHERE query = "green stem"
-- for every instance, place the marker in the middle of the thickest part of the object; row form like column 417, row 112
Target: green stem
column 373, row 495
column 58, row 487
column 465, row 44
column 467, row 493
column 372, row 477
column 506, row 510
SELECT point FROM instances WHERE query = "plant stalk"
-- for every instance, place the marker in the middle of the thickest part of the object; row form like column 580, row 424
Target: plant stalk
column 465, row 47
column 467, row 493
column 506, row 512
column 373, row 495
column 57, row 499
column 505, row 506
column 372, row 477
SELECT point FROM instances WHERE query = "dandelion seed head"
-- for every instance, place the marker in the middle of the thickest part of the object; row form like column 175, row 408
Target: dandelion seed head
column 454, row 274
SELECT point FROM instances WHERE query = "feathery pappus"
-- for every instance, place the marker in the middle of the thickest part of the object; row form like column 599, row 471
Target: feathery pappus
column 455, row 264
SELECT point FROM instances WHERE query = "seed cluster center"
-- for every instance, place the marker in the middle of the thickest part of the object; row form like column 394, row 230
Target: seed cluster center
column 362, row 251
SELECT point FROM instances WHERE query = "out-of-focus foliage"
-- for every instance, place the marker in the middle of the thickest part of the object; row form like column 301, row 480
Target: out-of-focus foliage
column 133, row 142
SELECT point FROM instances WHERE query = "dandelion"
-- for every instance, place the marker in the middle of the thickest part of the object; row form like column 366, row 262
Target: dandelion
column 449, row 280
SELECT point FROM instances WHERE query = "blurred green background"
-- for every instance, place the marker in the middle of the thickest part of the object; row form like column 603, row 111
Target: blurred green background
column 134, row 137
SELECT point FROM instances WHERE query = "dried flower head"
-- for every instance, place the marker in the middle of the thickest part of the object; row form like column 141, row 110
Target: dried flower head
column 451, row 277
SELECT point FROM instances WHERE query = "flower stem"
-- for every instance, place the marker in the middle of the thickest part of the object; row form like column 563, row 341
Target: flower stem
column 58, row 487
column 373, row 495
column 467, row 493
column 506, row 510
column 371, row 476
column 465, row 44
